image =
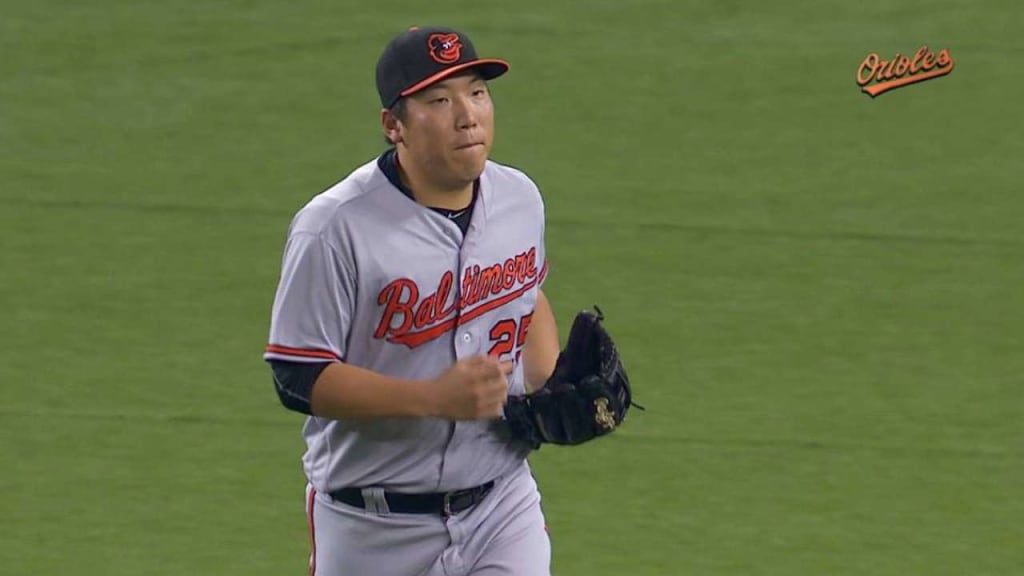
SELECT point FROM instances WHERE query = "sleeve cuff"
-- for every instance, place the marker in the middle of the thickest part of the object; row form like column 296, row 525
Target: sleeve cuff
column 277, row 352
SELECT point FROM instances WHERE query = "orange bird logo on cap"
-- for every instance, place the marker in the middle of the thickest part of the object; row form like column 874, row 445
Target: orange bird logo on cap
column 445, row 48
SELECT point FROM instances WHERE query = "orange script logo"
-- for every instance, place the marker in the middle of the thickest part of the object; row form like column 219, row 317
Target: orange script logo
column 411, row 320
column 901, row 70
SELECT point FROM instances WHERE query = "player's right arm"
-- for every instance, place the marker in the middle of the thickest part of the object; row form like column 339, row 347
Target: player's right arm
column 473, row 388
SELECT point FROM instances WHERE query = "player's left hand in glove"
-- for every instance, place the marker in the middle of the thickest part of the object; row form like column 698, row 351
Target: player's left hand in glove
column 587, row 395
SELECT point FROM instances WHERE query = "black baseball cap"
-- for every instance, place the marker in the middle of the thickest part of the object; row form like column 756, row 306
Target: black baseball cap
column 420, row 57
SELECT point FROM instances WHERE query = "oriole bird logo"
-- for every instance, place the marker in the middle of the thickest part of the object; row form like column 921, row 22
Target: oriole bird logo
column 445, row 48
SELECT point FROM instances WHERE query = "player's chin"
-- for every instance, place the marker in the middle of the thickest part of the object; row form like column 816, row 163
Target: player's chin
column 470, row 162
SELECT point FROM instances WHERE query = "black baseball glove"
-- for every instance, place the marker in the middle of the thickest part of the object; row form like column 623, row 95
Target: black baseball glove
column 588, row 394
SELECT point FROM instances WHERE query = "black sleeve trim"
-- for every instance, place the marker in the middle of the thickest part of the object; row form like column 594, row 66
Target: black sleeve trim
column 294, row 383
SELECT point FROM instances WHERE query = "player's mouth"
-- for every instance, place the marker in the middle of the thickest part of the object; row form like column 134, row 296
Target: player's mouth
column 468, row 145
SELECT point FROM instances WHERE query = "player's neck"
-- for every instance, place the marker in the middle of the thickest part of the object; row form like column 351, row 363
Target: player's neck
column 432, row 194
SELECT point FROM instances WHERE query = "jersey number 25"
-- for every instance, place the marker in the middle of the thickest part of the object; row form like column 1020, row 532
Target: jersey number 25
column 508, row 336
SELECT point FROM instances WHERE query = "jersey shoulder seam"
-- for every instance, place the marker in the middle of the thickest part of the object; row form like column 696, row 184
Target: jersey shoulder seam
column 333, row 204
column 517, row 173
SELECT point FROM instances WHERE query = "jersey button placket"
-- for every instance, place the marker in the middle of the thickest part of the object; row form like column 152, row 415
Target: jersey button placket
column 464, row 344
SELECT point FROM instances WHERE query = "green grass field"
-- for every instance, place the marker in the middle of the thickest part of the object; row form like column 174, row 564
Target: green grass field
column 820, row 296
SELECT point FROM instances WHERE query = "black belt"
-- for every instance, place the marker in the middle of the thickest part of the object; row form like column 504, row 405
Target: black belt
column 442, row 503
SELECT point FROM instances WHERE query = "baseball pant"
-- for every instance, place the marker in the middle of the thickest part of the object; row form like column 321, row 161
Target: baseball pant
column 504, row 535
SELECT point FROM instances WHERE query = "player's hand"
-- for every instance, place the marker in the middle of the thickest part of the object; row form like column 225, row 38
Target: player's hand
column 473, row 389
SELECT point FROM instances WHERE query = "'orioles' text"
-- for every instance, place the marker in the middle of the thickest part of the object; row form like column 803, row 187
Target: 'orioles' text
column 411, row 320
column 901, row 70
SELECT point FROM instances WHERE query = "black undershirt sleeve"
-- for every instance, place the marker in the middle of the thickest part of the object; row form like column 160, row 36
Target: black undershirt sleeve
column 294, row 383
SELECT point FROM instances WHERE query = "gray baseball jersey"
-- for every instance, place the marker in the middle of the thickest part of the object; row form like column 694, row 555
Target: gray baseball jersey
column 373, row 279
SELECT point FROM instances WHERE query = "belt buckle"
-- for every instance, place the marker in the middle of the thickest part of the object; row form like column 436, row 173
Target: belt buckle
column 446, row 505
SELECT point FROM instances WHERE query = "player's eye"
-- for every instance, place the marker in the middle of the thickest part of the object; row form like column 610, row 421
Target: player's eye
column 439, row 100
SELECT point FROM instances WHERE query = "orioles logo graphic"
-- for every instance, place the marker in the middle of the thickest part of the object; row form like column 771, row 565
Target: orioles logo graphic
column 901, row 70
column 445, row 48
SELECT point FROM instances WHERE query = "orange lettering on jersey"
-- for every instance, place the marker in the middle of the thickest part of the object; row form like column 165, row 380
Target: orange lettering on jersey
column 443, row 289
column 399, row 296
column 509, row 278
column 407, row 319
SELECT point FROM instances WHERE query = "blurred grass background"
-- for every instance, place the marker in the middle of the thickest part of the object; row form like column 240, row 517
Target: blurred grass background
column 818, row 294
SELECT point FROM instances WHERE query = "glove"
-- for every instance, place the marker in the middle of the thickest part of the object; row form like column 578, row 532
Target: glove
column 587, row 395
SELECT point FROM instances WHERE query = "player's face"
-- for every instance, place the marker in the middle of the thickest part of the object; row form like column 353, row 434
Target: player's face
column 449, row 128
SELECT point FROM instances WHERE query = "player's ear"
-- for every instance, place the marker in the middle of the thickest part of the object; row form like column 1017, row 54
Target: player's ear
column 391, row 125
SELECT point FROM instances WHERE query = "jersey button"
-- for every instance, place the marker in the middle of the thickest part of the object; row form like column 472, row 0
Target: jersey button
column 466, row 337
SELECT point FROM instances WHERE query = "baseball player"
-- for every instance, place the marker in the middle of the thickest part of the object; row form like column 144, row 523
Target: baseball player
column 409, row 309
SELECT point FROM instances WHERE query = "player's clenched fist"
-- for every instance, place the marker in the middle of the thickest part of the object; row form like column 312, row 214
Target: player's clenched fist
column 473, row 389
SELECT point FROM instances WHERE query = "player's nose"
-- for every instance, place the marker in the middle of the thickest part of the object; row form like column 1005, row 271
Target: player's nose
column 465, row 115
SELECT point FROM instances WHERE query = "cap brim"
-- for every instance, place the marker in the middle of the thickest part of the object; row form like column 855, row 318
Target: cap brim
column 489, row 68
